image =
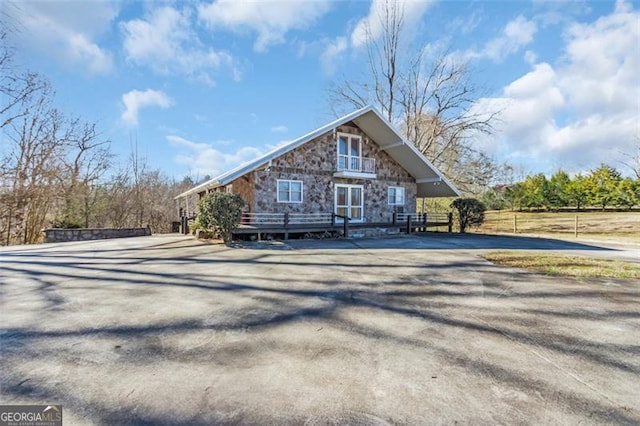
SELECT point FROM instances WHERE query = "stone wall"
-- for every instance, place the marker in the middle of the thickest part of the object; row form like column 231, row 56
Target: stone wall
column 314, row 163
column 57, row 235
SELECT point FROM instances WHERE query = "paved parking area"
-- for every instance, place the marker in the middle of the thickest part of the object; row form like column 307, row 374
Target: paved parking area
column 165, row 330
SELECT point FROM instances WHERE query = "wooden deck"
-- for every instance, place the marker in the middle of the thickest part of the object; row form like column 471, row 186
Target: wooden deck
column 285, row 224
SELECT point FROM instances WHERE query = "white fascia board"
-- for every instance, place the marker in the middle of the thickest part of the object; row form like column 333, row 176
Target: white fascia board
column 417, row 152
column 393, row 145
column 249, row 166
column 434, row 168
column 212, row 183
column 429, row 180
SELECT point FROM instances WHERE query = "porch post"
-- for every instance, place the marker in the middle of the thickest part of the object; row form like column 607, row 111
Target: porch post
column 286, row 225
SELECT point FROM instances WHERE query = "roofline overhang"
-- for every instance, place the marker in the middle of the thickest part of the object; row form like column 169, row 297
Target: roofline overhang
column 256, row 163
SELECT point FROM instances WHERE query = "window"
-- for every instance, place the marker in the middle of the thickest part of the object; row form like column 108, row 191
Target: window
column 349, row 152
column 396, row 196
column 289, row 191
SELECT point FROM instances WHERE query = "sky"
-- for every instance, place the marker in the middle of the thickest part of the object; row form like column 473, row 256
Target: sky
column 202, row 86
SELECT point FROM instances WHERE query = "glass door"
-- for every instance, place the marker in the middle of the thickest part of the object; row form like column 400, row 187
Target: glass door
column 349, row 202
column 349, row 153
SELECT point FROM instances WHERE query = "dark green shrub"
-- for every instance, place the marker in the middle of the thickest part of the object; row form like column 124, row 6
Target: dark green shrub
column 470, row 212
column 65, row 224
column 220, row 212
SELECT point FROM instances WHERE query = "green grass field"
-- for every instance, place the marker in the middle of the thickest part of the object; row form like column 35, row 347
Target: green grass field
column 624, row 225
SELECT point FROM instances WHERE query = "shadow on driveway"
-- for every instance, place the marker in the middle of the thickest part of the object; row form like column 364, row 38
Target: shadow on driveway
column 444, row 241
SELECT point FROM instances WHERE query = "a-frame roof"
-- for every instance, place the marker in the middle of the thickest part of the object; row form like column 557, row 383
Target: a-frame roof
column 431, row 183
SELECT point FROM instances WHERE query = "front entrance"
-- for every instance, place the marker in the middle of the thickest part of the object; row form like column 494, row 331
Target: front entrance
column 349, row 202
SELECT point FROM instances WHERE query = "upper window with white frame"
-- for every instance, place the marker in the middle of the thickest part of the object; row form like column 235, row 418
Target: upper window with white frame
column 289, row 191
column 396, row 196
column 349, row 152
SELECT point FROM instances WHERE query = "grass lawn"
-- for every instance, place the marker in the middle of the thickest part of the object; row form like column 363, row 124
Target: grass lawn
column 612, row 225
column 564, row 265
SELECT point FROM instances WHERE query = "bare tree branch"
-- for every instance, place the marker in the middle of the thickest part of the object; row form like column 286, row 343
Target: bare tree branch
column 430, row 96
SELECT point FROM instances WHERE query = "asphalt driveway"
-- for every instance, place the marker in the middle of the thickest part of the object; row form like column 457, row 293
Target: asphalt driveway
column 165, row 330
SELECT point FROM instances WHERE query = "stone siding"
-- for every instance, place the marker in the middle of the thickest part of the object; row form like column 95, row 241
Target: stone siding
column 57, row 235
column 314, row 163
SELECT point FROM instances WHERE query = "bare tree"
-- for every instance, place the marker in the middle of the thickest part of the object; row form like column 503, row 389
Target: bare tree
column 15, row 86
column 31, row 167
column 430, row 97
column 381, row 85
column 632, row 159
column 87, row 161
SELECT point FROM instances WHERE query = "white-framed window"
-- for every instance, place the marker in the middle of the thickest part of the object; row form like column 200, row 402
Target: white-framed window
column 349, row 152
column 289, row 191
column 396, row 196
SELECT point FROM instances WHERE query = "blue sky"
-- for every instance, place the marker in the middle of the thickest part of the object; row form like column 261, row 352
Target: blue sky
column 203, row 86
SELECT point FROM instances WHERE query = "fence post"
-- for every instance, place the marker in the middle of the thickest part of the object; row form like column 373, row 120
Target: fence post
column 424, row 222
column 450, row 221
column 333, row 219
column 515, row 223
column 286, row 225
column 345, row 227
column 575, row 227
column 408, row 224
column 394, row 218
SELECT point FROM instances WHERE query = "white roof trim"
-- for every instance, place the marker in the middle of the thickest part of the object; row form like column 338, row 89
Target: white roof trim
column 417, row 152
column 249, row 166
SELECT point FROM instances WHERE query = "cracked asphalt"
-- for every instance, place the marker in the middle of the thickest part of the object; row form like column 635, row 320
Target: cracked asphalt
column 405, row 330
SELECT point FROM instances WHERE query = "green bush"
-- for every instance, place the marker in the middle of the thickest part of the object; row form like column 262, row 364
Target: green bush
column 220, row 212
column 65, row 224
column 470, row 212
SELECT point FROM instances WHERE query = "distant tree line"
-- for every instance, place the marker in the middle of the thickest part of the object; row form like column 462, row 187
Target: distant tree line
column 600, row 188
column 57, row 170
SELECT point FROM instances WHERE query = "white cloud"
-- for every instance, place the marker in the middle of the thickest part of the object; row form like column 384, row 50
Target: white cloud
column 271, row 20
column 279, row 129
column 204, row 159
column 527, row 110
column 530, row 57
column 515, row 35
column 68, row 33
column 332, row 52
column 370, row 28
column 373, row 24
column 602, row 62
column 135, row 100
column 584, row 110
column 165, row 41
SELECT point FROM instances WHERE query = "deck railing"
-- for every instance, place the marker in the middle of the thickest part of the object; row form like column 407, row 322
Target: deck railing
column 347, row 163
column 291, row 221
column 286, row 218
column 417, row 217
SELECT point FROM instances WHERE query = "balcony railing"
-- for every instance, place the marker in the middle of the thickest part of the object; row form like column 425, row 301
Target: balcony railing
column 348, row 163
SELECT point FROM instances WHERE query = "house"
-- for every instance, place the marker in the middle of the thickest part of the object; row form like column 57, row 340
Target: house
column 357, row 166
